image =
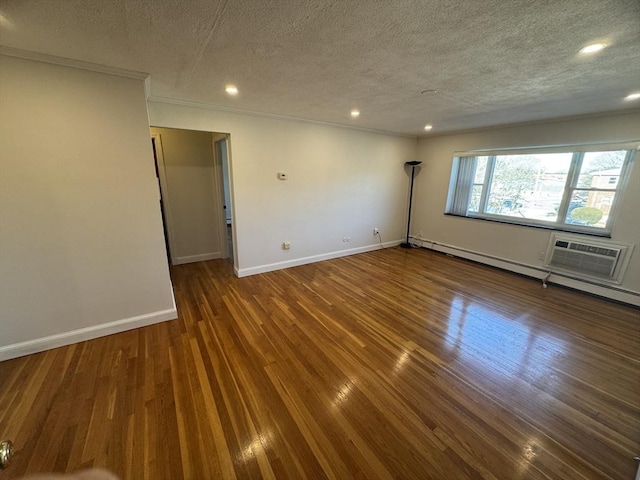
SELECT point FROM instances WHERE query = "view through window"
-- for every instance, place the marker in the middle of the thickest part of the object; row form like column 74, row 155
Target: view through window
column 574, row 191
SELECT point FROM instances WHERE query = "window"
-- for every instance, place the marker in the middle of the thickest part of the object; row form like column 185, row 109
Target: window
column 565, row 190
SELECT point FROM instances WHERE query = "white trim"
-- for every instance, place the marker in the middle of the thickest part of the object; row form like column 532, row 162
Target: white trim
column 201, row 257
column 613, row 293
column 82, row 334
column 524, row 123
column 633, row 144
column 245, row 272
column 207, row 106
column 69, row 62
column 147, row 88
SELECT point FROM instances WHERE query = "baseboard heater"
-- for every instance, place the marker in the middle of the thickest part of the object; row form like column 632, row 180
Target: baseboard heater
column 545, row 271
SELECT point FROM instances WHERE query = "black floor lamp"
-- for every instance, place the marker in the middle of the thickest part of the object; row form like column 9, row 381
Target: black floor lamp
column 413, row 166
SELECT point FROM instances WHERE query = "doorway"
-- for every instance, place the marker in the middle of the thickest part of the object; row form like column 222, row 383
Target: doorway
column 193, row 170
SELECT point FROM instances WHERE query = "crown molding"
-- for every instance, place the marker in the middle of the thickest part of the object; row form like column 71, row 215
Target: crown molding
column 69, row 62
column 217, row 108
column 541, row 121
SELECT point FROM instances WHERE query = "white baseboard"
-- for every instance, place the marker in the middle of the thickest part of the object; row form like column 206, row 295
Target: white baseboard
column 245, row 272
column 612, row 292
column 80, row 335
column 196, row 258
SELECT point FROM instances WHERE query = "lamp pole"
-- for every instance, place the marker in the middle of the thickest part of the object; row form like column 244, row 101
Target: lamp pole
column 413, row 166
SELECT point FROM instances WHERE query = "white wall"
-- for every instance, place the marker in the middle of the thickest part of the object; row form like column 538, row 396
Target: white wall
column 191, row 199
column 81, row 241
column 342, row 183
column 516, row 243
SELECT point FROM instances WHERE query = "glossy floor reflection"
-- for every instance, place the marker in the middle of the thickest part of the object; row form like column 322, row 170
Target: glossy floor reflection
column 505, row 348
column 397, row 363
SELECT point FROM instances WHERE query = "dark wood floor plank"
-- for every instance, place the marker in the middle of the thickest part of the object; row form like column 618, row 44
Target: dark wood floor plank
column 390, row 364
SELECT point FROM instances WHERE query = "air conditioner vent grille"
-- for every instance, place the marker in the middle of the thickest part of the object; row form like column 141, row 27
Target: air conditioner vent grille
column 593, row 249
column 601, row 265
column 600, row 260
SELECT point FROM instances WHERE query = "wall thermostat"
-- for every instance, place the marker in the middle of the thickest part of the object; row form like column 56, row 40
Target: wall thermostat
column 282, row 176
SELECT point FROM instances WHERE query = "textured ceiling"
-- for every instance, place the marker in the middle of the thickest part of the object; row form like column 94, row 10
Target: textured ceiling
column 492, row 61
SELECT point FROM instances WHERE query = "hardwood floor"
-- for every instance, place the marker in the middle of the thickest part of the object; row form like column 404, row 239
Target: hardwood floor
column 390, row 364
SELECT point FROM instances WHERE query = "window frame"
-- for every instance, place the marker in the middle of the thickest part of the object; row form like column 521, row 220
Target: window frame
column 571, row 186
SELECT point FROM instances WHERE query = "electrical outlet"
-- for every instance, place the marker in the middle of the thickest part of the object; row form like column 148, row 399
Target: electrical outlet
column 376, row 231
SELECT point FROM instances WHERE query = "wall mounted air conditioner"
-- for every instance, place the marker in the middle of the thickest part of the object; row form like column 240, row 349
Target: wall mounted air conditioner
column 599, row 260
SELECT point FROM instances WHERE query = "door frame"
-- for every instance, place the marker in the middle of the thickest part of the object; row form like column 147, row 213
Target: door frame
column 164, row 194
column 219, row 179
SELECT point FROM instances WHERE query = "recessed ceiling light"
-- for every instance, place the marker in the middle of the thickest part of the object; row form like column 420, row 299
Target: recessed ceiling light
column 428, row 127
column 231, row 89
column 593, row 48
column 355, row 113
column 632, row 96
